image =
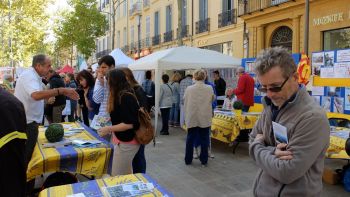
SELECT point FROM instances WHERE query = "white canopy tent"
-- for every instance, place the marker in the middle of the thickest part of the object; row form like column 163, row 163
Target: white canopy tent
column 123, row 60
column 83, row 65
column 181, row 58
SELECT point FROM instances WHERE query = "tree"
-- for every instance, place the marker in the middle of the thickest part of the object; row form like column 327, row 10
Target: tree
column 22, row 30
column 81, row 27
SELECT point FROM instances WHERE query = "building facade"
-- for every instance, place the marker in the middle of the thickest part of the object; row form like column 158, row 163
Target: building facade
column 282, row 23
column 104, row 43
column 152, row 25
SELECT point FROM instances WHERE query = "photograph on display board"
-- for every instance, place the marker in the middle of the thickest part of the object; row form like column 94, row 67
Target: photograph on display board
column 326, row 103
column 347, row 99
column 329, row 59
column 317, row 99
column 317, row 62
column 343, row 55
column 317, row 90
column 333, row 91
column 342, row 70
column 249, row 66
column 338, row 105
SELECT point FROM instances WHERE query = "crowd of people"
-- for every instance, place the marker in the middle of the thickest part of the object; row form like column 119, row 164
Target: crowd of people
column 286, row 169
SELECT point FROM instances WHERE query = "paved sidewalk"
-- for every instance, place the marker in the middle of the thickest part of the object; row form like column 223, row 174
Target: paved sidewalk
column 226, row 175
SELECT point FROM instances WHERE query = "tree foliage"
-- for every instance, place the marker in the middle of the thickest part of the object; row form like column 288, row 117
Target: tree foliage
column 81, row 27
column 22, row 30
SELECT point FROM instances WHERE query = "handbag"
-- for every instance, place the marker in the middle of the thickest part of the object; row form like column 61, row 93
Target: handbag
column 145, row 134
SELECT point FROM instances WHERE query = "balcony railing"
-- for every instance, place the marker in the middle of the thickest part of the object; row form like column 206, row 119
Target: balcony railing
column 184, row 32
column 156, row 40
column 249, row 6
column 102, row 53
column 202, row 26
column 147, row 42
column 168, row 36
column 135, row 9
column 146, row 3
column 227, row 18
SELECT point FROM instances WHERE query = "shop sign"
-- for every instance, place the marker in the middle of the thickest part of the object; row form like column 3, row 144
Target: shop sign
column 332, row 18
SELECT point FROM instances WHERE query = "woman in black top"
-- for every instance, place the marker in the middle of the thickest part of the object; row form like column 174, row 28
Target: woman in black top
column 123, row 109
column 139, row 161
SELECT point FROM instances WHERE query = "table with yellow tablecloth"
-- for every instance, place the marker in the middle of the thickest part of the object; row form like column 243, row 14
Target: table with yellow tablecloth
column 95, row 187
column 336, row 149
column 226, row 125
column 91, row 161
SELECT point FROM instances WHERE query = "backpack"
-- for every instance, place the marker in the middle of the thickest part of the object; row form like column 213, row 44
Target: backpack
column 145, row 134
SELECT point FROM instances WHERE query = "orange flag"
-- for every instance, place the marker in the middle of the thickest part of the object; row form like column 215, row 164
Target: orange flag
column 304, row 69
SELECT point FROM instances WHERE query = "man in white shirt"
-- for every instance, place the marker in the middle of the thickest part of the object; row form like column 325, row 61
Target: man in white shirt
column 29, row 90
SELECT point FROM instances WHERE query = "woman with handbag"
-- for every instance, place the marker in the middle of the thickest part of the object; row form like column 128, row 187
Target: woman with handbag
column 139, row 161
column 123, row 108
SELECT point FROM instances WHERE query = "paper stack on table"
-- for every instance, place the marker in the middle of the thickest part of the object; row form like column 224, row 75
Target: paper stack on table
column 86, row 143
column 129, row 189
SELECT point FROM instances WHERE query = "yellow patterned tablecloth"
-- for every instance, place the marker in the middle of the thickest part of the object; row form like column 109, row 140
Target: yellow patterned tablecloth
column 93, row 161
column 226, row 126
column 336, row 149
column 94, row 187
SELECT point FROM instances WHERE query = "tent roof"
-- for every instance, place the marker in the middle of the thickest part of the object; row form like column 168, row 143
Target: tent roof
column 120, row 58
column 185, row 57
column 66, row 69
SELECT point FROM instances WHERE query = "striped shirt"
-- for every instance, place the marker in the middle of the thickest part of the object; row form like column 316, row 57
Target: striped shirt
column 183, row 85
column 100, row 96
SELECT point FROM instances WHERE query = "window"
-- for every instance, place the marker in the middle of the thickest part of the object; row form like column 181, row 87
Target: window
column 203, row 9
column 132, row 35
column 148, row 30
column 227, row 5
column 125, row 8
column 184, row 12
column 156, row 23
column 336, row 39
column 283, row 36
column 118, row 39
column 124, row 37
column 108, row 42
column 168, row 18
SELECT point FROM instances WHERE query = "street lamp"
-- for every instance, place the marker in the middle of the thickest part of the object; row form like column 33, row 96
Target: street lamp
column 139, row 35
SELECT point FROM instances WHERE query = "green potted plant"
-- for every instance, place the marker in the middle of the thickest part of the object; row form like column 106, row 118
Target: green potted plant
column 238, row 106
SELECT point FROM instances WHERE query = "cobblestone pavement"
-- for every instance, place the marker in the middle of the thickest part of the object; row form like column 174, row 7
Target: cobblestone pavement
column 226, row 175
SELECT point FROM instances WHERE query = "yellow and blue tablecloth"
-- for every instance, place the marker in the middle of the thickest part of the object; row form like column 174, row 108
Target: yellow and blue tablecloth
column 94, row 188
column 336, row 149
column 92, row 161
column 226, row 125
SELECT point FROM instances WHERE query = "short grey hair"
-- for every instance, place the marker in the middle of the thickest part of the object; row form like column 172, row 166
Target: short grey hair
column 276, row 56
column 200, row 75
column 39, row 59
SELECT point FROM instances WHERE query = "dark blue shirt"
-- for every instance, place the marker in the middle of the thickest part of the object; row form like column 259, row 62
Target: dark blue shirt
column 95, row 107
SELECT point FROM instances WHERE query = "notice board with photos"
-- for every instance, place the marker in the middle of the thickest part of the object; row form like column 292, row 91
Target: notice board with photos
column 249, row 66
column 331, row 80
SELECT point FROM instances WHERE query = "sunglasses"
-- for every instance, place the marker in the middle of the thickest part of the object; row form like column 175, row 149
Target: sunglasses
column 273, row 89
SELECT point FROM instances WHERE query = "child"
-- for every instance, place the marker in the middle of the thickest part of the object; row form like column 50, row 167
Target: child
column 229, row 100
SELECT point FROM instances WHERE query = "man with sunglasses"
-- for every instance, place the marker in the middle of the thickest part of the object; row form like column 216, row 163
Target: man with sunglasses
column 245, row 89
column 293, row 168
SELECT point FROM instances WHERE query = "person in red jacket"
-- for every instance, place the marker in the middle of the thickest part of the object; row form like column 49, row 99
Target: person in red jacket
column 245, row 89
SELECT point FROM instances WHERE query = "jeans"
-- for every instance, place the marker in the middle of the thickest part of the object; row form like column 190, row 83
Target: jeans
column 165, row 119
column 32, row 135
column 174, row 114
column 139, row 161
column 203, row 135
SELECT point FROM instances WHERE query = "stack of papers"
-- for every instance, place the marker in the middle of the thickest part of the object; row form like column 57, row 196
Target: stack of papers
column 129, row 189
column 86, row 143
